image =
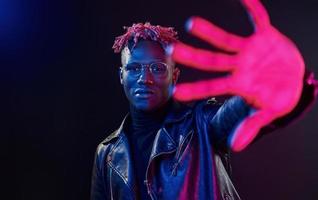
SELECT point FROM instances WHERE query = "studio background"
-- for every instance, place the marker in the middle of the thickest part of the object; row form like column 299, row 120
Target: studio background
column 61, row 77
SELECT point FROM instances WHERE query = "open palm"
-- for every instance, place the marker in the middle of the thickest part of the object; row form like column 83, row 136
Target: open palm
column 266, row 69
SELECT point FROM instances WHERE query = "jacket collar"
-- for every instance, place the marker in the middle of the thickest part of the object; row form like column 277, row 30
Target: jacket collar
column 118, row 132
column 120, row 156
column 176, row 113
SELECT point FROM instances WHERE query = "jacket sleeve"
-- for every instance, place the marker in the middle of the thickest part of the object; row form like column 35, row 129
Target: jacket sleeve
column 98, row 186
column 234, row 110
column 226, row 119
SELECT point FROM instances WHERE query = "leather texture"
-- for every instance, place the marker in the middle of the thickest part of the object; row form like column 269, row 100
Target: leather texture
column 189, row 158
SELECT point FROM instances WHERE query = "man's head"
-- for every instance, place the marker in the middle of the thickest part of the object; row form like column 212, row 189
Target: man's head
column 147, row 74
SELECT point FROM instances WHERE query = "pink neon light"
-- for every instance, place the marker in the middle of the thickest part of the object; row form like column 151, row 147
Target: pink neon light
column 267, row 70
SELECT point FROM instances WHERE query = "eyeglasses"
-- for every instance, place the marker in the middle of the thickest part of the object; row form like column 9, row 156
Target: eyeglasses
column 156, row 68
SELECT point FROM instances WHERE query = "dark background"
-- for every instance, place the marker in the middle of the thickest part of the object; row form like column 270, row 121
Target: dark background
column 60, row 74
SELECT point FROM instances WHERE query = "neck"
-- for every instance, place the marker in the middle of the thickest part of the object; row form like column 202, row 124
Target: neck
column 144, row 119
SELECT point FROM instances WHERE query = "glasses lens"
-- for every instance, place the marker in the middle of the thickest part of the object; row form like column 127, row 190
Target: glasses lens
column 158, row 68
column 133, row 67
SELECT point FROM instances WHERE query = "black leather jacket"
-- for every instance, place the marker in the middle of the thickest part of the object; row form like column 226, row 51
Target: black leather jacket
column 189, row 158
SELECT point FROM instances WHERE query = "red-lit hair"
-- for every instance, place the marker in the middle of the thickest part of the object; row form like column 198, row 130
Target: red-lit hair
column 146, row 31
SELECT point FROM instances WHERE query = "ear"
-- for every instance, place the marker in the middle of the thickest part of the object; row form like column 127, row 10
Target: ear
column 120, row 73
column 175, row 75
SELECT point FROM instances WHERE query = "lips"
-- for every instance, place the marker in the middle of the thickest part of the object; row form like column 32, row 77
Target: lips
column 140, row 92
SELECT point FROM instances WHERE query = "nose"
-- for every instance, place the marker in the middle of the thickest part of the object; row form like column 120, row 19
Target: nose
column 145, row 77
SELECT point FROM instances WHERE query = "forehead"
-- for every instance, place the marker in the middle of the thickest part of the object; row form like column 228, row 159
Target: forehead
column 146, row 52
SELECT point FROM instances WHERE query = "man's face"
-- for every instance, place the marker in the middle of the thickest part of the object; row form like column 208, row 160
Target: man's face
column 147, row 90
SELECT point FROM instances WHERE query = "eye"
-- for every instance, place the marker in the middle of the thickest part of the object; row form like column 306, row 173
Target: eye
column 133, row 67
column 158, row 67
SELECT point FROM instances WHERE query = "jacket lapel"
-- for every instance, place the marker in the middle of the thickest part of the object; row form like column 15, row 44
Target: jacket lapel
column 121, row 157
column 165, row 141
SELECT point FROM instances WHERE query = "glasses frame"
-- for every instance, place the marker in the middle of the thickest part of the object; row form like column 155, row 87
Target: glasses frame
column 148, row 66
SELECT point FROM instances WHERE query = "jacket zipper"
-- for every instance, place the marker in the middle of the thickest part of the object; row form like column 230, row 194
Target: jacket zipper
column 110, row 184
column 149, row 162
column 178, row 158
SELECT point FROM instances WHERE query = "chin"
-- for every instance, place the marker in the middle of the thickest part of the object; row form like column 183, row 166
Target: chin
column 146, row 108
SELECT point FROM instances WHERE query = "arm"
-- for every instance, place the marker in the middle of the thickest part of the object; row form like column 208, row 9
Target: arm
column 266, row 69
column 229, row 115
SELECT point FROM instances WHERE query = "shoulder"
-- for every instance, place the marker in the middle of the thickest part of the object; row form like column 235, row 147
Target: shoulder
column 111, row 140
column 208, row 106
column 104, row 147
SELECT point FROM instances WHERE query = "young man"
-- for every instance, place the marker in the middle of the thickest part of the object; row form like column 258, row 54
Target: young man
column 168, row 150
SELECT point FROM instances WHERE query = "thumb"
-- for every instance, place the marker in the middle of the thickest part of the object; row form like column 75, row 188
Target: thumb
column 248, row 129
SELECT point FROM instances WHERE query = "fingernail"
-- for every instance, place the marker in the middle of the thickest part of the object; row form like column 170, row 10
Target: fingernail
column 172, row 90
column 189, row 24
column 169, row 50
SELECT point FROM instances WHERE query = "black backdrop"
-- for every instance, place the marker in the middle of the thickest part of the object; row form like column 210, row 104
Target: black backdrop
column 65, row 97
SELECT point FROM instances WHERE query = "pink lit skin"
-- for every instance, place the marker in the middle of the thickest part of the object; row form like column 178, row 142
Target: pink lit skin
column 267, row 70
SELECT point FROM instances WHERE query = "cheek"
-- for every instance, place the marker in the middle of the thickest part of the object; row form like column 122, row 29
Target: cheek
column 166, row 88
column 127, row 81
column 127, row 85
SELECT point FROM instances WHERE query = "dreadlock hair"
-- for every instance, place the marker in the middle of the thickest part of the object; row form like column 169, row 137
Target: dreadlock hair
column 144, row 31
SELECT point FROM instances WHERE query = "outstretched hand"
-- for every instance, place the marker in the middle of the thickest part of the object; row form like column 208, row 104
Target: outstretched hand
column 266, row 70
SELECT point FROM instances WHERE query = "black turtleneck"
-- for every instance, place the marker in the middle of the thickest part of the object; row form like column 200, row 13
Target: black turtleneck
column 142, row 131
